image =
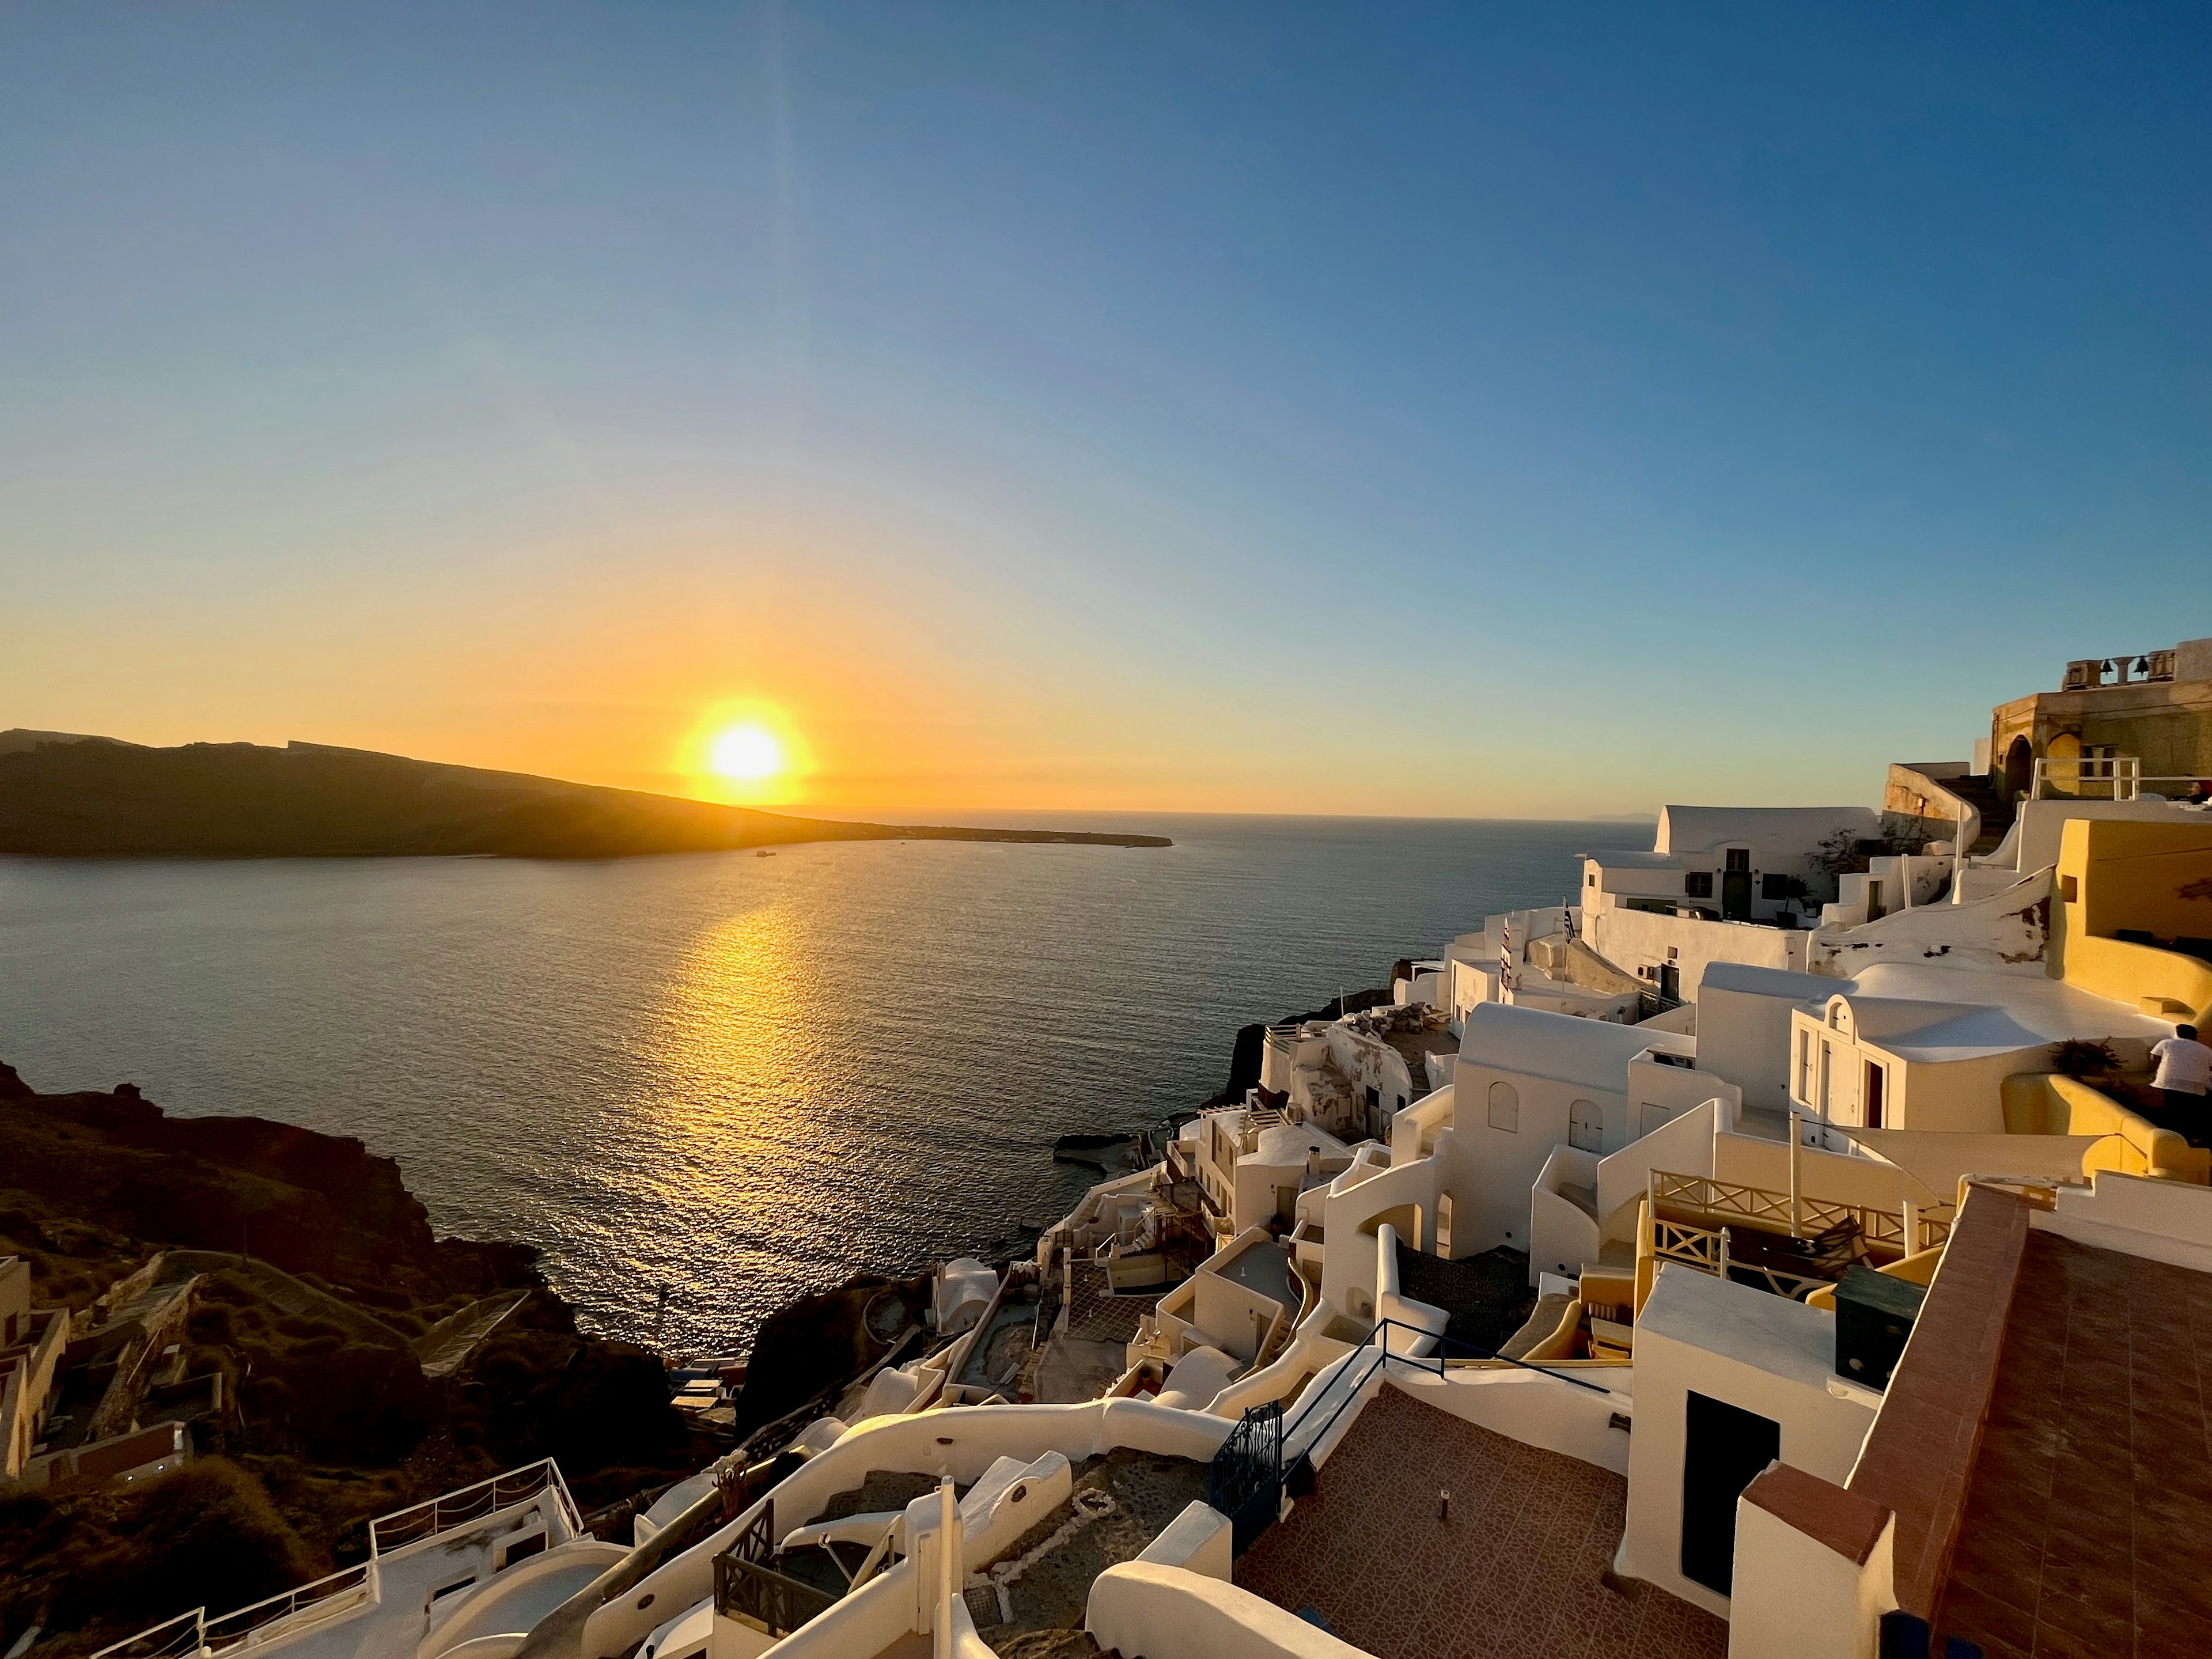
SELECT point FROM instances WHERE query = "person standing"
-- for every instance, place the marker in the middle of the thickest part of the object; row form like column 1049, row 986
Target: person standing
column 2185, row 1074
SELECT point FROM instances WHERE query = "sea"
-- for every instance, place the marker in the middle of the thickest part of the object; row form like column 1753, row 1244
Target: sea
column 737, row 1077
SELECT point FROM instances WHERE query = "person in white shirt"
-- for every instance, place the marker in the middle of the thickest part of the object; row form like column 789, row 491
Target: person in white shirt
column 2184, row 1074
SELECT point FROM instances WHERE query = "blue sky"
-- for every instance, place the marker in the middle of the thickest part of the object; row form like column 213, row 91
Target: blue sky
column 1389, row 408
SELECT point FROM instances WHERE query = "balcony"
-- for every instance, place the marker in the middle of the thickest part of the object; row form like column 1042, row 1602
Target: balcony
column 1758, row 1236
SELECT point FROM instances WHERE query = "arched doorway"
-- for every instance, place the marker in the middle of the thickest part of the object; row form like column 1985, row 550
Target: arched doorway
column 2019, row 767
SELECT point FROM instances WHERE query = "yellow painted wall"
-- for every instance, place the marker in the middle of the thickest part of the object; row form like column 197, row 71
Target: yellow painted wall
column 2045, row 1104
column 2115, row 873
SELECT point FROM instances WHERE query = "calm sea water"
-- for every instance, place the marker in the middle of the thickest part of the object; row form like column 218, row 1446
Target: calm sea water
column 741, row 1077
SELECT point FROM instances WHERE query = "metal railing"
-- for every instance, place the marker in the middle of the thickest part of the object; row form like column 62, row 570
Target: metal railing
column 1244, row 1481
column 454, row 1509
column 747, row 1587
column 778, row 1603
column 341, row 1590
column 2122, row 775
column 1437, row 1362
column 172, row 1638
column 1881, row 1229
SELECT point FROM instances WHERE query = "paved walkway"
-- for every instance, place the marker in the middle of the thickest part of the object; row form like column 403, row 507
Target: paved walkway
column 1520, row 1569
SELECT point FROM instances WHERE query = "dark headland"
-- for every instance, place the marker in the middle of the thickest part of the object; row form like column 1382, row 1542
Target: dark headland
column 69, row 796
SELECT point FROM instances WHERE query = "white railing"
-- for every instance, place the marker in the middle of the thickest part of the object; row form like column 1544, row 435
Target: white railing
column 172, row 1638
column 2075, row 775
column 452, row 1509
column 348, row 1587
column 2122, row 775
column 195, row 1633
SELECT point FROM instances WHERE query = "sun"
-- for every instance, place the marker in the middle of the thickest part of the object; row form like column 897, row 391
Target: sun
column 750, row 754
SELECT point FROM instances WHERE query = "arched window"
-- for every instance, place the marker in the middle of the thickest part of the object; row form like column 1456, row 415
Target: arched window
column 1505, row 1107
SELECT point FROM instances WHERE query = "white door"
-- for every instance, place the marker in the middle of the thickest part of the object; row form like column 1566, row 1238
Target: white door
column 1586, row 1125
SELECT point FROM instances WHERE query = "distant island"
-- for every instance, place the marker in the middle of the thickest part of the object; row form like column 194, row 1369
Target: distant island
column 66, row 795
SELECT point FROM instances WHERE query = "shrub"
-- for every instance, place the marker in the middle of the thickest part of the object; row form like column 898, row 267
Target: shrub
column 2078, row 1058
column 205, row 1535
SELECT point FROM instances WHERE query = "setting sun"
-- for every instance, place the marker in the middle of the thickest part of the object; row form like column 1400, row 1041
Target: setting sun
column 747, row 753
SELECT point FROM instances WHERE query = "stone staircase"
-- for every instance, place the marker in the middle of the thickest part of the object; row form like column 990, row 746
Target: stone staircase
column 1996, row 810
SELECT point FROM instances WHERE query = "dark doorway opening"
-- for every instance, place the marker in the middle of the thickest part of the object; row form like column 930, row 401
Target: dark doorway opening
column 1724, row 1451
column 1735, row 885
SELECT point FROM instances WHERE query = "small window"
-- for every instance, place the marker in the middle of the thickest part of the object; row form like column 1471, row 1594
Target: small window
column 1698, row 883
column 444, row 1590
column 1774, row 887
column 1739, row 859
column 1505, row 1107
column 516, row 1549
column 1592, row 879
column 1374, row 1095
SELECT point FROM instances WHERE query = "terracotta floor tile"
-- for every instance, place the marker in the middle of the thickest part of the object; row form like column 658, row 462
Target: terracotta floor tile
column 1518, row 1572
column 2097, row 1441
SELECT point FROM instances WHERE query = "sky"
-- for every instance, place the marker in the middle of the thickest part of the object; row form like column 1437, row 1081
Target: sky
column 1467, row 411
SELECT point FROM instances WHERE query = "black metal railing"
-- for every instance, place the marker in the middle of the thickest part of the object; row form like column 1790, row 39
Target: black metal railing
column 758, row 1593
column 1244, row 1481
column 1436, row 1362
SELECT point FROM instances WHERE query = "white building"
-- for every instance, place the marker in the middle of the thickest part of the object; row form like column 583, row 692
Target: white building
column 1722, row 883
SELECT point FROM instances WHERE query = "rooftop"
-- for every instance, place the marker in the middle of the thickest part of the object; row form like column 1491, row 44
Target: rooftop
column 1523, row 1565
column 1703, row 828
column 1771, row 1334
column 2088, row 1512
column 1590, row 1053
column 1992, row 1012
column 1765, row 982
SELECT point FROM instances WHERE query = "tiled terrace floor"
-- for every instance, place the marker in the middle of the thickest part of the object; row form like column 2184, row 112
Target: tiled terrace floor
column 1518, row 1572
column 2087, row 1522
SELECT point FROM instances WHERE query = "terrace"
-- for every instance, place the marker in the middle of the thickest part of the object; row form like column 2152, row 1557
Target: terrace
column 1519, row 1563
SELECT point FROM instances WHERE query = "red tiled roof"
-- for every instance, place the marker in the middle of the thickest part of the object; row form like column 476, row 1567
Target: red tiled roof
column 1920, row 1452
column 1828, row 1513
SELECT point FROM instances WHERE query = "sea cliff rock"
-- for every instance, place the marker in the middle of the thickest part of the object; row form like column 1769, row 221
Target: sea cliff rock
column 312, row 1272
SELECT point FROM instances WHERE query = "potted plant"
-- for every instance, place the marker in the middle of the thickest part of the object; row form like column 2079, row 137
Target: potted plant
column 2083, row 1061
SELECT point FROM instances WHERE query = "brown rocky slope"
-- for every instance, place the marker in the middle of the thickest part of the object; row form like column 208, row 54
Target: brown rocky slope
column 332, row 1422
